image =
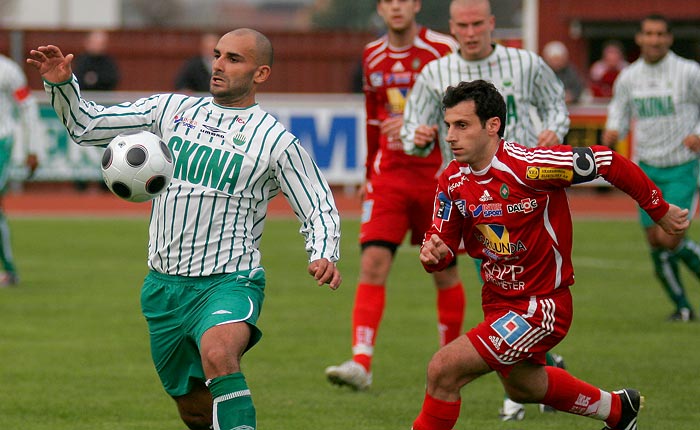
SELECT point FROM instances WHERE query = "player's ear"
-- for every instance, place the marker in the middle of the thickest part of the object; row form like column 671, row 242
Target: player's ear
column 493, row 125
column 262, row 73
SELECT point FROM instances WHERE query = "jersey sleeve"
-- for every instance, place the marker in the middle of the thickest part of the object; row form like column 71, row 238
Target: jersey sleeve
column 423, row 107
column 628, row 177
column 311, row 198
column 27, row 106
column 448, row 223
column 550, row 101
column 619, row 108
column 91, row 124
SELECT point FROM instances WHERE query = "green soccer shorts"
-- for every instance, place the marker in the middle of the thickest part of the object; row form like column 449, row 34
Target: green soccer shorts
column 179, row 310
column 678, row 184
column 6, row 144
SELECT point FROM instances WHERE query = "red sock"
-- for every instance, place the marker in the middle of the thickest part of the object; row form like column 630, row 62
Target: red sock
column 615, row 411
column 569, row 394
column 366, row 316
column 450, row 305
column 437, row 414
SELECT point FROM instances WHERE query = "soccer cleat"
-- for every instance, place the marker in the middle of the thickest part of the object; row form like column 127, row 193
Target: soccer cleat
column 682, row 315
column 511, row 411
column 351, row 374
column 558, row 361
column 632, row 402
column 8, row 279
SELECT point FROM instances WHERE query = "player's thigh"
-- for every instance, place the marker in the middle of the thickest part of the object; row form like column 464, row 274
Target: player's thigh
column 385, row 215
column 455, row 365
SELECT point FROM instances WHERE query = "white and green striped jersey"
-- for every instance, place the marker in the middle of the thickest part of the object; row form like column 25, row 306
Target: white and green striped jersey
column 522, row 77
column 229, row 162
column 16, row 101
column 663, row 100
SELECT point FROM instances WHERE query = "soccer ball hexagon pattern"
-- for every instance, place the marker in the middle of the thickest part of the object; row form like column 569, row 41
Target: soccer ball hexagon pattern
column 137, row 166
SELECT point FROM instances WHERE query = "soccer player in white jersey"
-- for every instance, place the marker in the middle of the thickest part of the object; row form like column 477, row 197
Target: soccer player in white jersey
column 15, row 95
column 523, row 78
column 660, row 92
column 203, row 294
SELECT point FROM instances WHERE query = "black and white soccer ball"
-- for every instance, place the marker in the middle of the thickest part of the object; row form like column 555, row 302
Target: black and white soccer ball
column 137, row 166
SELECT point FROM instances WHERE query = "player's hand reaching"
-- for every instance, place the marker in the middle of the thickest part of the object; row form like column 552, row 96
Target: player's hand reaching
column 675, row 221
column 51, row 64
column 325, row 272
column 433, row 250
column 547, row 138
column 424, row 135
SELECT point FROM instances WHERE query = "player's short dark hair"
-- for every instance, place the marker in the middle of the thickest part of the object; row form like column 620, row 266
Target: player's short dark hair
column 656, row 17
column 488, row 101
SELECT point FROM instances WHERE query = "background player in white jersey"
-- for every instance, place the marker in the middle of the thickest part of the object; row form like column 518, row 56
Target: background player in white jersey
column 16, row 102
column 523, row 78
column 203, row 294
column 661, row 93
column 397, row 194
column 524, row 242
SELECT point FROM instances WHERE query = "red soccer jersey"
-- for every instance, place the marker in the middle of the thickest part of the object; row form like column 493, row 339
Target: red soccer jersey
column 515, row 214
column 388, row 75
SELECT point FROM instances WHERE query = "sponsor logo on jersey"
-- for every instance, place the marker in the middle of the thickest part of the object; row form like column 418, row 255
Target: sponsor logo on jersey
column 549, row 173
column 525, row 206
column 461, row 206
column 503, row 275
column 186, row 122
column 496, row 341
column 454, row 185
column 401, row 78
column 376, row 79
column 398, row 67
column 486, row 197
column 511, row 327
column 397, row 100
column 212, row 131
column 486, row 210
column 202, row 164
column 443, row 211
column 496, row 238
column 653, row 107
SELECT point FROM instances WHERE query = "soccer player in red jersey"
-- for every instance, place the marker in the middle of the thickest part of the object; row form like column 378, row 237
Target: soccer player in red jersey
column 524, row 241
column 399, row 188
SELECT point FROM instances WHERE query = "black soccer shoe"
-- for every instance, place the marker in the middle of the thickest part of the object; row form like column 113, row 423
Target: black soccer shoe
column 632, row 402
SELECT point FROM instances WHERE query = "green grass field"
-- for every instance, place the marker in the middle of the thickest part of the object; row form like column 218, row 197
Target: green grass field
column 74, row 348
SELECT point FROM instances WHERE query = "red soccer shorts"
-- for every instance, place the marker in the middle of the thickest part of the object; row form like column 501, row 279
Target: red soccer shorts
column 392, row 209
column 521, row 330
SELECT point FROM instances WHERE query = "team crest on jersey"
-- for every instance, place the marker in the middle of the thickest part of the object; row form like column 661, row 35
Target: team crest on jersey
column 416, row 64
column 504, row 191
column 549, row 173
column 186, row 122
column 239, row 139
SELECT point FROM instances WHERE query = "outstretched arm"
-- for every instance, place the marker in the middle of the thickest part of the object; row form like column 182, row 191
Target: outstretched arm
column 53, row 66
column 675, row 221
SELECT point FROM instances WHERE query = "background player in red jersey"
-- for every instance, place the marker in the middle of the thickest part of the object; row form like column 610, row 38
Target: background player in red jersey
column 524, row 242
column 397, row 196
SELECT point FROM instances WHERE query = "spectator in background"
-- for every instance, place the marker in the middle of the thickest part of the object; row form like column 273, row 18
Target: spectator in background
column 604, row 71
column 195, row 74
column 95, row 68
column 556, row 56
column 15, row 96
